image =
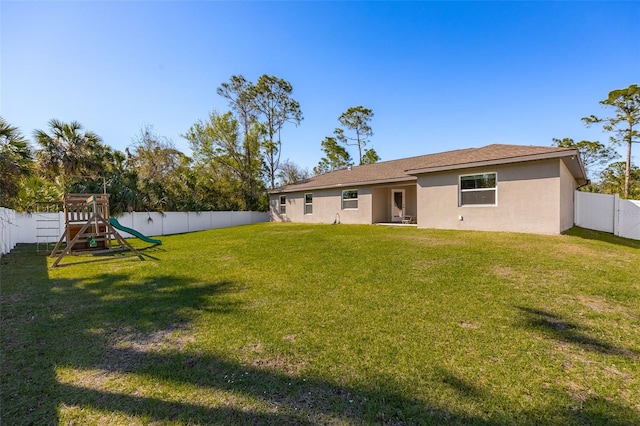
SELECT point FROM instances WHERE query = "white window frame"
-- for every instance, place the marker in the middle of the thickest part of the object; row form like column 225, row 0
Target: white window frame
column 461, row 191
column 350, row 199
column 282, row 203
column 308, row 207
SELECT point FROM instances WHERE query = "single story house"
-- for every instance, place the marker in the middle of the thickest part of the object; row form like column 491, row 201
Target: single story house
column 512, row 188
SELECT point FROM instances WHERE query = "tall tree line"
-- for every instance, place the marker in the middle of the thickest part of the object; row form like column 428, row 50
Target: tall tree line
column 607, row 176
column 244, row 144
column 355, row 130
column 236, row 157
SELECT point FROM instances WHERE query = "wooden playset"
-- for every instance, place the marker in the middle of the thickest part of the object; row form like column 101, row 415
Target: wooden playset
column 88, row 228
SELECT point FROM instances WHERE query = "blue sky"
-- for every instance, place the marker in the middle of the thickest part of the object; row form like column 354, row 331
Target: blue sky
column 438, row 75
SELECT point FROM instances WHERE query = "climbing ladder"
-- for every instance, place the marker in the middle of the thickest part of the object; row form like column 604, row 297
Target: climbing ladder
column 48, row 223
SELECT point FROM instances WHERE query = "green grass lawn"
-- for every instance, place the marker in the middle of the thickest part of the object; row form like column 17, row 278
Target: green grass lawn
column 319, row 324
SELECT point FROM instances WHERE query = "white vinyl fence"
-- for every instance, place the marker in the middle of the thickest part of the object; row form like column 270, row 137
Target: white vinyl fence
column 8, row 235
column 608, row 213
column 47, row 227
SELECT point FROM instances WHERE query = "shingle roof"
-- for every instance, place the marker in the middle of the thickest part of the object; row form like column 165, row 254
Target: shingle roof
column 405, row 169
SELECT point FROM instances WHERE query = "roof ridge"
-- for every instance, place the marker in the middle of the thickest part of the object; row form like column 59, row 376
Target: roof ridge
column 410, row 158
column 397, row 169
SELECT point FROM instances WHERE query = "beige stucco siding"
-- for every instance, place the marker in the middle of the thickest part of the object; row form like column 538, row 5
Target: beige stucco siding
column 528, row 199
column 568, row 186
column 327, row 206
column 533, row 196
column 380, row 210
column 382, row 201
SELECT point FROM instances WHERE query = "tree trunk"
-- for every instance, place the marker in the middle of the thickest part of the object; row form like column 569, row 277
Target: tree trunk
column 627, row 171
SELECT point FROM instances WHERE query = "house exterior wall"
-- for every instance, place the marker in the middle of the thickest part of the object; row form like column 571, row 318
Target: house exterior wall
column 327, row 205
column 412, row 200
column 528, row 199
column 381, row 212
column 382, row 202
column 568, row 187
column 533, row 196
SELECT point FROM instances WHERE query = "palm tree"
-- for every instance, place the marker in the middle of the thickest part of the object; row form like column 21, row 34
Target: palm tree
column 68, row 151
column 35, row 189
column 15, row 161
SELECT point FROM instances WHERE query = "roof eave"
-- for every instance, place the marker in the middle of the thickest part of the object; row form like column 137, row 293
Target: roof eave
column 499, row 161
column 292, row 188
column 577, row 169
column 570, row 157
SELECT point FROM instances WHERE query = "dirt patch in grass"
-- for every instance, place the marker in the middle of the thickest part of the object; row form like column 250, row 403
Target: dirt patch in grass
column 279, row 363
column 505, row 272
column 125, row 345
column 583, row 251
column 171, row 338
column 466, row 324
column 252, row 348
column 595, row 255
column 597, row 304
column 257, row 356
column 578, row 393
column 613, row 371
column 581, row 370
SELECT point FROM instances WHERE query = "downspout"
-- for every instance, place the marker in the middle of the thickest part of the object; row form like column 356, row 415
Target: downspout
column 583, row 185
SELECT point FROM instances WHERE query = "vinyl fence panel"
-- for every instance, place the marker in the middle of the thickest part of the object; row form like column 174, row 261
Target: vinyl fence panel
column 595, row 211
column 48, row 227
column 8, row 237
column 629, row 219
column 608, row 213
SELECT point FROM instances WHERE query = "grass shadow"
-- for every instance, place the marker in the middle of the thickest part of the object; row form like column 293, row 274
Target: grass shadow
column 559, row 328
column 109, row 324
column 109, row 255
column 604, row 237
column 115, row 326
column 47, row 323
column 461, row 386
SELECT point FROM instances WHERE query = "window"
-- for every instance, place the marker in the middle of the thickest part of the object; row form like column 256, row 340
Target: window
column 308, row 203
column 283, row 204
column 350, row 199
column 478, row 190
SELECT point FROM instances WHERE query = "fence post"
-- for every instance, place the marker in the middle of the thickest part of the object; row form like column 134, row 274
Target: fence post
column 576, row 207
column 616, row 214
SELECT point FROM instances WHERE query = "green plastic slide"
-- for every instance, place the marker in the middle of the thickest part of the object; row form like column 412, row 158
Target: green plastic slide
column 114, row 222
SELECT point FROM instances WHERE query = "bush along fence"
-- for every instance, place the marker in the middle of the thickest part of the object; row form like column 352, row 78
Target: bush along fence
column 608, row 213
column 46, row 228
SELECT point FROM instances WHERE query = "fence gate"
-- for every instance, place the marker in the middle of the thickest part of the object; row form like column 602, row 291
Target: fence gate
column 608, row 213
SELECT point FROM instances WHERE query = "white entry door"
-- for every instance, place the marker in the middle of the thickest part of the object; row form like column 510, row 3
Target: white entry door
column 397, row 205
